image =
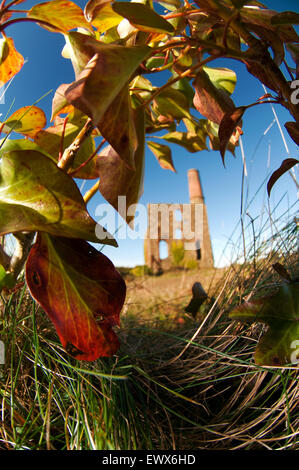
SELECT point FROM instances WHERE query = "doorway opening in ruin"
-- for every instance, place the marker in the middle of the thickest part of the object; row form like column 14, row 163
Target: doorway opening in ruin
column 163, row 249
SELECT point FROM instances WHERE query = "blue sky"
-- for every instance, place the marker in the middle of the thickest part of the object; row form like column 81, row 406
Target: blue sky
column 45, row 70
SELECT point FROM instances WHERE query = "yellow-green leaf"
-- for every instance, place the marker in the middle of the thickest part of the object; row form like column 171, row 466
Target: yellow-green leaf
column 163, row 154
column 28, row 121
column 11, row 60
column 63, row 15
column 281, row 313
column 143, row 17
column 35, row 195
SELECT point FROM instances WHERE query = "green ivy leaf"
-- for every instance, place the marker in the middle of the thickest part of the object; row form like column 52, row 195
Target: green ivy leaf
column 80, row 290
column 35, row 195
column 190, row 141
column 171, row 103
column 143, row 17
column 222, row 78
column 281, row 313
column 7, row 280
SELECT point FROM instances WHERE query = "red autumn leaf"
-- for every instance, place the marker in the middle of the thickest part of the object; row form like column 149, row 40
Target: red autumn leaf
column 286, row 165
column 11, row 61
column 80, row 290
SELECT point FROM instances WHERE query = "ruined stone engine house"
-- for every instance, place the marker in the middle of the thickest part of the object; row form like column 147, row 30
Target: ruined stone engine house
column 188, row 223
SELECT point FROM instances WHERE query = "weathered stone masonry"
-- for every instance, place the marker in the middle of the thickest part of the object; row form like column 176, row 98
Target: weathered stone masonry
column 163, row 224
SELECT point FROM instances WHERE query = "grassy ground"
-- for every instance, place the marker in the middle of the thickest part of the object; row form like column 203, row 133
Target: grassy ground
column 177, row 382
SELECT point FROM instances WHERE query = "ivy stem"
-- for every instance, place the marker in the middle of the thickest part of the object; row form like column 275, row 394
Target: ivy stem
column 91, row 192
column 186, row 73
column 23, row 244
column 69, row 154
column 32, row 20
column 4, row 258
column 73, row 172
column 62, row 138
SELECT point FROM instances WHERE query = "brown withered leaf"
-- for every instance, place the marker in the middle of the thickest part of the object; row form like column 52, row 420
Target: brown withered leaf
column 228, row 126
column 293, row 130
column 104, row 77
column 286, row 165
column 117, row 179
column 118, row 128
column 212, row 102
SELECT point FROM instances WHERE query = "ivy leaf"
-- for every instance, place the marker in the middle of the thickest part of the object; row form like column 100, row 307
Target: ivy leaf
column 35, row 195
column 228, row 126
column 62, row 14
column 9, row 145
column 80, row 290
column 263, row 17
column 117, row 179
column 143, row 17
column 11, row 61
column 28, row 121
column 104, row 77
column 286, row 165
column 239, row 3
column 286, row 17
column 163, row 154
column 281, row 313
column 190, row 141
column 117, row 127
column 222, row 78
column 50, row 141
column 101, row 15
column 293, row 49
column 7, row 280
column 171, row 103
column 212, row 131
column 293, row 130
column 211, row 101
column 60, row 104
column 79, row 48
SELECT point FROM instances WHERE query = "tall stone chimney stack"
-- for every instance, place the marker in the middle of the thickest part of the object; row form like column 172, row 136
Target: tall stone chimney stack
column 202, row 240
column 195, row 189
